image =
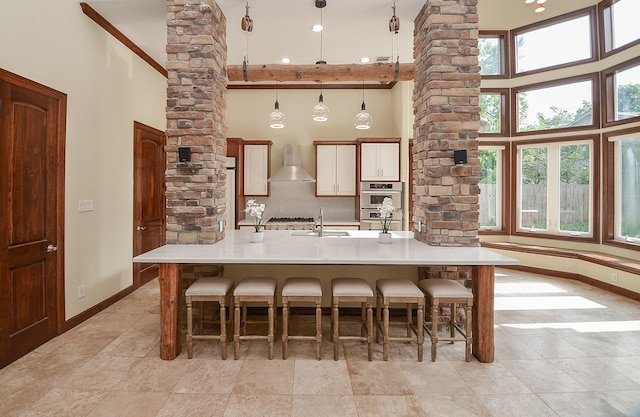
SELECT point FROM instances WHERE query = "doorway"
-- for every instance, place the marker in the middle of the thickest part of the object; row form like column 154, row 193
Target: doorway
column 148, row 198
column 32, row 129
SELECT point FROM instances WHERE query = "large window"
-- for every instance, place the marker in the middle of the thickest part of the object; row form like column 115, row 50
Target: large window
column 556, row 188
column 619, row 24
column 493, row 112
column 623, row 187
column 622, row 92
column 562, row 41
column 493, row 189
column 492, row 54
column 564, row 104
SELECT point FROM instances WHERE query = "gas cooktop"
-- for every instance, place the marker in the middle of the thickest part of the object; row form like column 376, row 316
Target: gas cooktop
column 291, row 220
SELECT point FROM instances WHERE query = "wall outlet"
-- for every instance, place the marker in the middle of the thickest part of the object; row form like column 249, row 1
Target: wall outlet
column 614, row 277
column 85, row 205
column 80, row 291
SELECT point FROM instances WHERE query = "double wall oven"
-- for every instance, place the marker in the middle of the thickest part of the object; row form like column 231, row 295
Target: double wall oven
column 371, row 196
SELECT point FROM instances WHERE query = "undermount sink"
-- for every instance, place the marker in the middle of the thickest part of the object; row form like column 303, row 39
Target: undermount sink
column 316, row 233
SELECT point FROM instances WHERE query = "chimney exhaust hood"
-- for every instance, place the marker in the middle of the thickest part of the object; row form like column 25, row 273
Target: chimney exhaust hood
column 292, row 170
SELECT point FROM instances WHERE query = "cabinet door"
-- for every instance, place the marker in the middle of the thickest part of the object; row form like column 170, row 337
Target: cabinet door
column 256, row 164
column 389, row 160
column 369, row 170
column 346, row 170
column 326, row 170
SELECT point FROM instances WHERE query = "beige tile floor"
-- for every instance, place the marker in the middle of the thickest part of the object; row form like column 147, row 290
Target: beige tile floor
column 563, row 348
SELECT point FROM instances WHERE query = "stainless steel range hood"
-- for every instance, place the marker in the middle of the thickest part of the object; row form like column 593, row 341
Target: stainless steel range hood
column 292, row 170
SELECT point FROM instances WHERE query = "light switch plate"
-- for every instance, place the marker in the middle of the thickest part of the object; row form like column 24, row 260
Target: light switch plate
column 85, row 205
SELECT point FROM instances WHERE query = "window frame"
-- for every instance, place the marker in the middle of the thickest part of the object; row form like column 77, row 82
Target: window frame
column 605, row 30
column 588, row 11
column 595, row 103
column 505, row 120
column 609, row 209
column 505, row 64
column 505, row 189
column 608, row 93
column 595, row 211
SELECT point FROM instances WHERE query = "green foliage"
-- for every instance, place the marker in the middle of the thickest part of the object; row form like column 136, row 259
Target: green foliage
column 489, row 56
column 534, row 165
column 575, row 226
column 490, row 111
column 488, row 166
column 629, row 99
column 574, row 164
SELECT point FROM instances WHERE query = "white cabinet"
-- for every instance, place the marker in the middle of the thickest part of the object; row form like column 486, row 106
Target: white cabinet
column 256, row 170
column 336, row 170
column 380, row 162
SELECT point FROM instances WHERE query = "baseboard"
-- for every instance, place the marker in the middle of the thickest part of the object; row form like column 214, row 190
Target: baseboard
column 90, row 312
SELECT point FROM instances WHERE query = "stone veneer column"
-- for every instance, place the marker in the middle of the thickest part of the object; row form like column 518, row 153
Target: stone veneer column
column 196, row 105
column 447, row 115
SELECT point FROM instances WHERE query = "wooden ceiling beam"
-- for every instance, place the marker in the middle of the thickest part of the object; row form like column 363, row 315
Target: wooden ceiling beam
column 378, row 72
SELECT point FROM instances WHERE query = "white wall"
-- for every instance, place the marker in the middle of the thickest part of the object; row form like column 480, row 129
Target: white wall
column 107, row 87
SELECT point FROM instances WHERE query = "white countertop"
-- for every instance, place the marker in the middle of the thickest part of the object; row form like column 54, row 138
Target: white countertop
column 360, row 248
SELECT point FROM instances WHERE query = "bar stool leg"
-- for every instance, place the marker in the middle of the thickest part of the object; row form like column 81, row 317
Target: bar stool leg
column 370, row 330
column 434, row 329
column 223, row 329
column 378, row 316
column 318, row 327
column 236, row 331
column 270, row 337
column 385, row 331
column 335, row 324
column 453, row 321
column 468, row 332
column 285, row 326
column 409, row 319
column 420, row 328
column 189, row 328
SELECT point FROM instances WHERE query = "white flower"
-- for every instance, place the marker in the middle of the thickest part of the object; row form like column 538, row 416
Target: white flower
column 386, row 210
column 255, row 211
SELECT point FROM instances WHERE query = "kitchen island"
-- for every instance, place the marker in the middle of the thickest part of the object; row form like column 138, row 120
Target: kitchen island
column 281, row 247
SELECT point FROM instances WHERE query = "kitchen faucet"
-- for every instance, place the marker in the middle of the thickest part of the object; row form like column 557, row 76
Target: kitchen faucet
column 321, row 219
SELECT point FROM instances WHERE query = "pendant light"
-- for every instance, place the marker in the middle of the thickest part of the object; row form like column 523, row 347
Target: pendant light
column 276, row 118
column 320, row 110
column 363, row 119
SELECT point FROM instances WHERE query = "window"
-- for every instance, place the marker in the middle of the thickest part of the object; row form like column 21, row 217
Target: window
column 568, row 39
column 493, row 186
column 622, row 92
column 493, row 112
column 492, row 54
column 562, row 104
column 623, row 188
column 618, row 25
column 556, row 188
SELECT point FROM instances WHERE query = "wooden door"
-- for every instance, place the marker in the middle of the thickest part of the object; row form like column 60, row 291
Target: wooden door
column 149, row 198
column 31, row 215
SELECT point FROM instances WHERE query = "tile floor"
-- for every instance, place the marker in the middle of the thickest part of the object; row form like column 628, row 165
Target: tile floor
column 563, row 348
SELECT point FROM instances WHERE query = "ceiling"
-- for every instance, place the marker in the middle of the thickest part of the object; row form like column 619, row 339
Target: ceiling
column 353, row 28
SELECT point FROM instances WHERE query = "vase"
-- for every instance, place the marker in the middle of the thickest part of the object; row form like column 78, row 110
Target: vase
column 384, row 237
column 257, row 237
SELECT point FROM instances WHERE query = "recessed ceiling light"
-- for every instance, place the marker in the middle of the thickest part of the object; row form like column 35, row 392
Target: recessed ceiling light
column 529, row 1
column 542, row 1
column 285, row 60
column 317, row 28
column 364, row 60
column 539, row 8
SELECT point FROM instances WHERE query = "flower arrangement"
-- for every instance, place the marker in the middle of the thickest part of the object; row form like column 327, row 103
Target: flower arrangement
column 255, row 211
column 386, row 210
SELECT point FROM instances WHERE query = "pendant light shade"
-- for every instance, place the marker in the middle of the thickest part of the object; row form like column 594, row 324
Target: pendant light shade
column 276, row 118
column 320, row 111
column 363, row 119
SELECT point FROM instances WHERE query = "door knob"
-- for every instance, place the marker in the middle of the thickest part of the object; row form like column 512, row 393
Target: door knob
column 52, row 248
column 142, row 227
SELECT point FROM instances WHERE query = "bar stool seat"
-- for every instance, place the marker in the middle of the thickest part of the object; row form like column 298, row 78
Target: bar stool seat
column 216, row 289
column 301, row 289
column 447, row 291
column 390, row 290
column 253, row 289
column 352, row 290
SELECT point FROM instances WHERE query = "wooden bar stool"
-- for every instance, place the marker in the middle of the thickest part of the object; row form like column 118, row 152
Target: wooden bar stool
column 352, row 290
column 216, row 289
column 301, row 289
column 403, row 291
column 253, row 289
column 447, row 291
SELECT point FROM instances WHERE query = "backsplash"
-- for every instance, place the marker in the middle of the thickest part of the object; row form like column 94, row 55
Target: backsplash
column 289, row 199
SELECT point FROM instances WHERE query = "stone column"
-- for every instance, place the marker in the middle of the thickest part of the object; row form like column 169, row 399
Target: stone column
column 196, row 106
column 447, row 116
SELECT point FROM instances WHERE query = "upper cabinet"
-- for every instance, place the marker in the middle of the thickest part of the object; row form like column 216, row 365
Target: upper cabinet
column 379, row 161
column 256, row 168
column 335, row 169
